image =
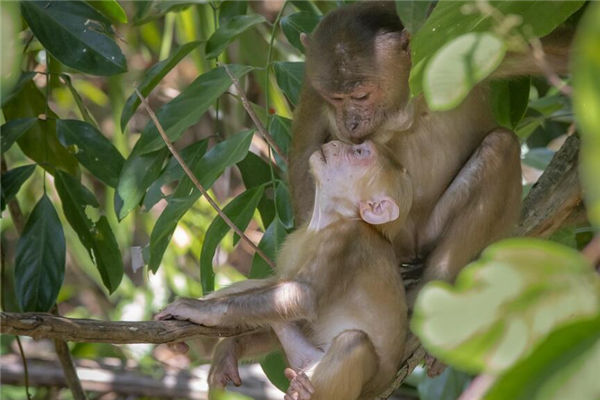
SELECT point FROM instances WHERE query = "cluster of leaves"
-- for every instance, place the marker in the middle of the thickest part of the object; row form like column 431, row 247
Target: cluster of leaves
column 527, row 312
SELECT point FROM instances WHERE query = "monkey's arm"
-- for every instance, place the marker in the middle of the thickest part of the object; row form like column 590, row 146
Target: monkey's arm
column 280, row 301
column 309, row 130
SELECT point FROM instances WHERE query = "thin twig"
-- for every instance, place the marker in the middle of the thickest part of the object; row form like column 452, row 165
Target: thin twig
column 261, row 128
column 539, row 57
column 25, row 367
column 198, row 185
column 73, row 382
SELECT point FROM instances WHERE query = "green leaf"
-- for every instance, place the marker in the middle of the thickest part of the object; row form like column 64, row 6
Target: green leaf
column 97, row 238
column 255, row 172
column 228, row 31
column 40, row 259
column 231, row 8
column 11, row 47
column 39, row 142
column 283, row 202
column 586, row 102
column 207, row 170
column 186, row 109
column 92, row 149
column 152, row 77
column 175, row 116
column 509, row 100
column 76, row 35
column 11, row 182
column 111, row 9
column 458, row 66
column 413, row 13
column 447, row 386
column 137, row 174
column 107, row 255
column 85, row 113
column 289, row 77
column 564, row 366
column 281, row 130
column 173, row 172
column 240, row 210
column 13, row 130
column 499, row 307
column 447, row 22
column 269, row 244
column 273, row 366
column 301, row 22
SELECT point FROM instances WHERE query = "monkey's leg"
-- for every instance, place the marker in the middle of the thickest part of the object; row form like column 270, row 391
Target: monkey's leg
column 349, row 363
column 480, row 206
column 227, row 353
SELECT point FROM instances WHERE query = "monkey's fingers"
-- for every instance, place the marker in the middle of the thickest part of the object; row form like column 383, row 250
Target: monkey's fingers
column 178, row 347
column 300, row 386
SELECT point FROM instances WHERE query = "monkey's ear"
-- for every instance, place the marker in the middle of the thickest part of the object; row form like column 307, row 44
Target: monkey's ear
column 379, row 211
column 305, row 39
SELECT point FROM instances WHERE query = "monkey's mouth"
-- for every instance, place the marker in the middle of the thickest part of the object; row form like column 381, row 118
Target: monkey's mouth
column 323, row 158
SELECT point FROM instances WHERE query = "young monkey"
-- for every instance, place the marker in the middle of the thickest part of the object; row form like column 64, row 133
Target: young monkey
column 337, row 304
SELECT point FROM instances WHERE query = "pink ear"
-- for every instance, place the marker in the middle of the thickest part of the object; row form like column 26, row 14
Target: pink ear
column 305, row 40
column 380, row 211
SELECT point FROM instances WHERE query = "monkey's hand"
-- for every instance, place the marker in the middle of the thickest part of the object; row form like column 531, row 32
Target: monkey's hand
column 198, row 311
column 224, row 367
column 300, row 386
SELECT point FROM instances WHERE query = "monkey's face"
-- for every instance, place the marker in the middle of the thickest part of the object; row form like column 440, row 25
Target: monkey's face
column 340, row 168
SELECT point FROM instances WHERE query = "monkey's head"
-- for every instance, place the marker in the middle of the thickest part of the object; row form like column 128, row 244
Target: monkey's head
column 361, row 180
column 358, row 59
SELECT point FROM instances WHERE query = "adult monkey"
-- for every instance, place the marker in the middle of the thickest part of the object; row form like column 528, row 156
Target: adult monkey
column 466, row 171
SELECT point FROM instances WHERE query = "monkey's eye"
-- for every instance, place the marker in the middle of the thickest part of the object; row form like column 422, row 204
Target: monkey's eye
column 361, row 96
column 336, row 99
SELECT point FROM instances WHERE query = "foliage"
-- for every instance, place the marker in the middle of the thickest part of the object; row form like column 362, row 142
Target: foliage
column 70, row 106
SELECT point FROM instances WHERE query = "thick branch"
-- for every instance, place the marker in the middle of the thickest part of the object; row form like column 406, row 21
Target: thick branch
column 42, row 325
column 556, row 199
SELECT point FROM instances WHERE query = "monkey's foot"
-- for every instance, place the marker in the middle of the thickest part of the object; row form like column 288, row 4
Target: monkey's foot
column 201, row 312
column 300, row 386
column 224, row 370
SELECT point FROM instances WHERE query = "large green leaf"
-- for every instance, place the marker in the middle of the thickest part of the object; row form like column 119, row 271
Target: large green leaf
column 152, row 77
column 281, row 130
column 240, row 210
column 92, row 149
column 228, row 31
column 11, row 47
column 586, row 101
column 76, row 34
column 207, row 170
column 97, row 238
column 564, row 366
column 283, row 202
column 173, row 172
column 255, row 171
column 269, row 244
column 412, row 13
column 180, row 113
column 40, row 259
column 500, row 307
column 231, row 8
column 11, row 182
column 289, row 77
column 13, row 130
column 448, row 21
column 458, row 66
column 110, row 8
column 294, row 24
column 509, row 100
column 39, row 142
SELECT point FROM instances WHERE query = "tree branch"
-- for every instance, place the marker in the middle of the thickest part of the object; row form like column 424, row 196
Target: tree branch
column 44, row 325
